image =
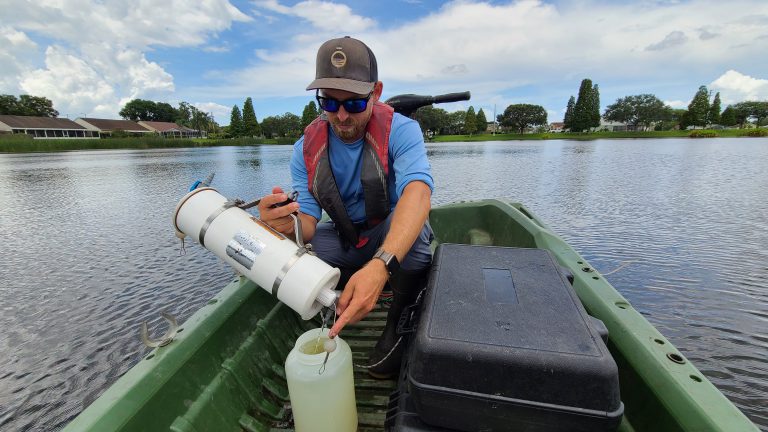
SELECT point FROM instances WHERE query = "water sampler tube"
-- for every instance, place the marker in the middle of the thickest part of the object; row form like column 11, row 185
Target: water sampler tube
column 286, row 269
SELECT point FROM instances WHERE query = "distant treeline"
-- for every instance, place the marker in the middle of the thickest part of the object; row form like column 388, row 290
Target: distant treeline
column 637, row 112
column 643, row 112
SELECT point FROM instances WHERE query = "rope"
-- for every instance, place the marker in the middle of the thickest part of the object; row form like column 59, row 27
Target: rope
column 399, row 339
column 623, row 264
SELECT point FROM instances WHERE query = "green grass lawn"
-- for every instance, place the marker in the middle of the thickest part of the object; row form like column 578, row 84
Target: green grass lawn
column 25, row 144
column 601, row 135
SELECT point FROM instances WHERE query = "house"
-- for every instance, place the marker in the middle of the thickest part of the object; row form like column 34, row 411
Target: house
column 557, row 127
column 171, row 130
column 612, row 126
column 45, row 127
column 107, row 127
column 492, row 127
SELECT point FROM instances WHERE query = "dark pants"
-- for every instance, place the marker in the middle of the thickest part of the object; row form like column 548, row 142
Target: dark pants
column 328, row 246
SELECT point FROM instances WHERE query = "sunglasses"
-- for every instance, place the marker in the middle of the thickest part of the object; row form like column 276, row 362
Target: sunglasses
column 352, row 106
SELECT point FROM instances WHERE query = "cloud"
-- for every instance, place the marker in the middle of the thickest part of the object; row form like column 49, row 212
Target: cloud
column 220, row 112
column 676, row 38
column 216, row 49
column 519, row 51
column 705, row 34
column 677, row 103
column 455, row 69
column 321, row 14
column 506, row 51
column 736, row 87
column 137, row 24
column 17, row 51
column 79, row 86
column 96, row 60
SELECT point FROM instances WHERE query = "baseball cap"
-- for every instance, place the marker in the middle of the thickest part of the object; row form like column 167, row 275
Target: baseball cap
column 345, row 64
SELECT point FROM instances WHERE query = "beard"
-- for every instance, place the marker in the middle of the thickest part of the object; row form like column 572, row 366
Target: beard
column 350, row 132
column 352, row 128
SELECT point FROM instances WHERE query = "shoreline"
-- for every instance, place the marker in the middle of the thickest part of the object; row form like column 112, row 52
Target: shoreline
column 14, row 144
column 697, row 133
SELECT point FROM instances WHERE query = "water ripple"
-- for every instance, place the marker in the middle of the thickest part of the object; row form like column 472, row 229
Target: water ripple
column 90, row 253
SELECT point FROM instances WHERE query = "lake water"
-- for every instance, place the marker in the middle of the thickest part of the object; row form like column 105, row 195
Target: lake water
column 88, row 250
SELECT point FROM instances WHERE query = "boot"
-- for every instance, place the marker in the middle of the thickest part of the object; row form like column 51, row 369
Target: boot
column 406, row 286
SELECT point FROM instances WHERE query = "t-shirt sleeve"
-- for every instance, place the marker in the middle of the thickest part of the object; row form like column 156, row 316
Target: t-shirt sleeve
column 409, row 154
column 307, row 203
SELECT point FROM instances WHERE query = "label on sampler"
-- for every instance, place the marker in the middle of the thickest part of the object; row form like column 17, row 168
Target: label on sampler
column 243, row 248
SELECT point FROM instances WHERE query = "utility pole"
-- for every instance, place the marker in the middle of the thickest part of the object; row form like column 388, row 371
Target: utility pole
column 495, row 125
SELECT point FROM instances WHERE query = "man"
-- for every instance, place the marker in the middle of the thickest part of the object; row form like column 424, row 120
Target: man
column 367, row 168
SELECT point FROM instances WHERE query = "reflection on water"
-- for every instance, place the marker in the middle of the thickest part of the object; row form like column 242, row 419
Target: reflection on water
column 89, row 252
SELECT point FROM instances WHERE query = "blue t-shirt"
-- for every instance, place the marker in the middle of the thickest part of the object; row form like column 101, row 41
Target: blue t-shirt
column 407, row 162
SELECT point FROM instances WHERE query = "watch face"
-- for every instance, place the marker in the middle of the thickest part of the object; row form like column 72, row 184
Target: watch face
column 390, row 260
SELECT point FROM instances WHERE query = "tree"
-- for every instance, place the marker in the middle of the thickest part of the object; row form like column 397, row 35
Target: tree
column 184, row 114
column 37, row 106
column 594, row 107
column 728, row 117
column 568, row 118
column 147, row 110
column 200, row 120
column 138, row 109
column 250, row 124
column 236, row 122
column 164, row 112
column 698, row 109
column 644, row 109
column 192, row 117
column 286, row 125
column 290, row 125
column 9, row 105
column 470, row 121
column 713, row 116
column 456, row 122
column 432, row 119
column 309, row 114
column 755, row 110
column 27, row 105
column 521, row 116
column 586, row 111
column 481, row 121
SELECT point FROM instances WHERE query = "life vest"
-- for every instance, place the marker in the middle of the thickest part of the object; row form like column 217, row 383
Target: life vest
column 375, row 170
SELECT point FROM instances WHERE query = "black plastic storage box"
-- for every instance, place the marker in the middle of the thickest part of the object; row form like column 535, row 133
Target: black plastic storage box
column 503, row 344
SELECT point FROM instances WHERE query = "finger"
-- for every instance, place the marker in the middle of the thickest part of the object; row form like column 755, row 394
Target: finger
column 345, row 298
column 342, row 321
column 277, row 190
column 275, row 198
column 280, row 212
column 277, row 215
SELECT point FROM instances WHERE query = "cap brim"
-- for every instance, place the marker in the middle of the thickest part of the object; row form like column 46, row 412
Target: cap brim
column 349, row 85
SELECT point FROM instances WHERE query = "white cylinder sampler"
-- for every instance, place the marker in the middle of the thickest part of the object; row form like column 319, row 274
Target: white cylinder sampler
column 297, row 278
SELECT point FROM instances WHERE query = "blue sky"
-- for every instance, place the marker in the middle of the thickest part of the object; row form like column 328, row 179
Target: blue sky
column 91, row 57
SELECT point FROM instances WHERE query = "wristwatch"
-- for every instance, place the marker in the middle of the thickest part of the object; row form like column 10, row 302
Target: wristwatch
column 390, row 260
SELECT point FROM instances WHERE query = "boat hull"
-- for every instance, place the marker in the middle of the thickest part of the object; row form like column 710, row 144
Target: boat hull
column 224, row 370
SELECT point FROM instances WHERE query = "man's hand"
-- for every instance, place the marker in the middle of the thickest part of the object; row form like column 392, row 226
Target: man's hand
column 360, row 295
column 278, row 217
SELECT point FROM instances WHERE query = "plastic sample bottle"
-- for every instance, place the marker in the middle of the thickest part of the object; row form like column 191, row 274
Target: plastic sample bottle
column 321, row 402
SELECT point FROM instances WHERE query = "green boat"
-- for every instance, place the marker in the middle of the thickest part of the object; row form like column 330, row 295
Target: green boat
column 223, row 371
